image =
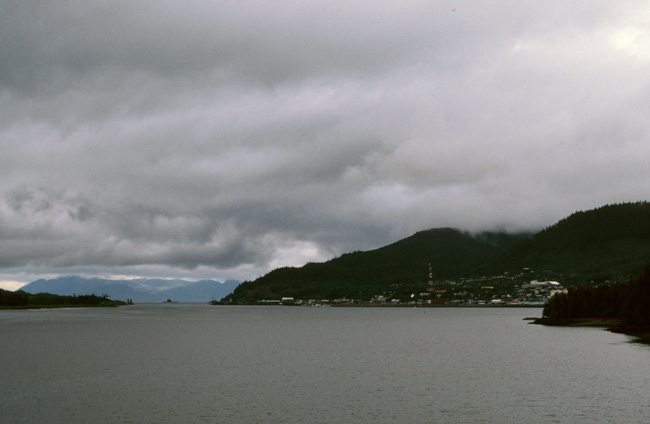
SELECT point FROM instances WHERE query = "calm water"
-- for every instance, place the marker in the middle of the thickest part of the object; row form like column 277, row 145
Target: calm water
column 185, row 363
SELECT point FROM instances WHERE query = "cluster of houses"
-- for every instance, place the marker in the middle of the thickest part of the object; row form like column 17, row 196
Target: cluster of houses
column 534, row 293
column 507, row 289
column 538, row 292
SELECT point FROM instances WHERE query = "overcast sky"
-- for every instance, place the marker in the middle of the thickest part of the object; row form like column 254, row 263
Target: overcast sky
column 224, row 139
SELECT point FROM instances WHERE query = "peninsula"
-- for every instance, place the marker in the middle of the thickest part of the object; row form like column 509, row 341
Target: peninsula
column 621, row 308
column 22, row 300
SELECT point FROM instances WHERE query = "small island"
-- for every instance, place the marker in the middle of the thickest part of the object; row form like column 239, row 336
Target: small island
column 23, row 300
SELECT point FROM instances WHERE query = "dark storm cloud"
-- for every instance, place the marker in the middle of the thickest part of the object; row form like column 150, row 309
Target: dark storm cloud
column 225, row 139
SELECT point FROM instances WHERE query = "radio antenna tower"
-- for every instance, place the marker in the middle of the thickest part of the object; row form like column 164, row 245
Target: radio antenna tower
column 430, row 282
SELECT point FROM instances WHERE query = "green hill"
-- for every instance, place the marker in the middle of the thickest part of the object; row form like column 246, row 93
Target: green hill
column 607, row 243
column 399, row 268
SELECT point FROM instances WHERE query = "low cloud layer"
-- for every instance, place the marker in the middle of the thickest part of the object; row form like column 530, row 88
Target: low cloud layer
column 223, row 140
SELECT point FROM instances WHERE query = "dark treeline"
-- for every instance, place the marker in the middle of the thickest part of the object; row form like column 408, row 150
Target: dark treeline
column 20, row 299
column 629, row 302
column 586, row 248
column 604, row 224
column 400, row 268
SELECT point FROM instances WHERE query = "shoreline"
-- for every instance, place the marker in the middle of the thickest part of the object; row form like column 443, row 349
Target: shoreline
column 23, row 307
column 639, row 333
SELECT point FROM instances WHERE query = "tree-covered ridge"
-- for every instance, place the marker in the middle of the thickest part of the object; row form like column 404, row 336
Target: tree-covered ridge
column 400, row 267
column 629, row 302
column 605, row 224
column 607, row 243
column 587, row 248
column 20, row 299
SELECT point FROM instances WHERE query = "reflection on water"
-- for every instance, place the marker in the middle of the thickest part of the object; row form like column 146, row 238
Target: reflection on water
column 161, row 363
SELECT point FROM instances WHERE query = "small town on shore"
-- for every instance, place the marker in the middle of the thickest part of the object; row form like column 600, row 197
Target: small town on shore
column 508, row 289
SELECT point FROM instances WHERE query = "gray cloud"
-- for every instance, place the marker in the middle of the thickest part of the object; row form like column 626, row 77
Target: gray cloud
column 225, row 139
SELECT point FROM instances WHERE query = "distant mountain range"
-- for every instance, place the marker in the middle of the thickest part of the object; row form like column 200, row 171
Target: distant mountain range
column 138, row 290
column 607, row 243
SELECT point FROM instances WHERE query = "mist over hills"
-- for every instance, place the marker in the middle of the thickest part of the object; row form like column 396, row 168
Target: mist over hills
column 609, row 243
column 405, row 263
column 605, row 244
column 139, row 290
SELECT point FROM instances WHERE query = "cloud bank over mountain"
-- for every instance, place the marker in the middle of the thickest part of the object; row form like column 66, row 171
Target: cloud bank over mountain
column 222, row 140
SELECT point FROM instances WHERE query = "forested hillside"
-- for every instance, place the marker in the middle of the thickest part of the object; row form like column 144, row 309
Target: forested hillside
column 606, row 243
column 628, row 302
column 401, row 267
column 586, row 248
